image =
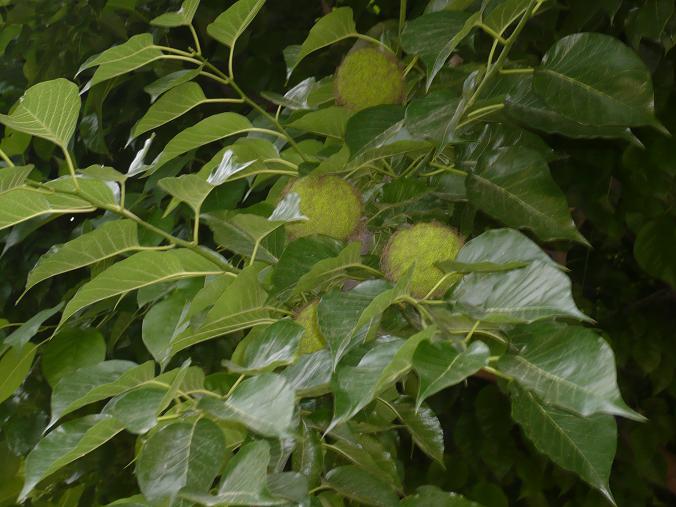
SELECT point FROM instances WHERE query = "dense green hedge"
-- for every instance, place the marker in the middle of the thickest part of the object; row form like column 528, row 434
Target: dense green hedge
column 619, row 185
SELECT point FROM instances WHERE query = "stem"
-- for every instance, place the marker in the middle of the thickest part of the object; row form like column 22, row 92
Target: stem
column 181, row 58
column 492, row 33
column 71, row 168
column 234, row 386
column 173, row 50
column 280, row 161
column 196, row 228
column 497, row 373
column 438, row 284
column 195, row 38
column 402, row 15
column 214, row 77
column 7, row 160
column 223, row 101
column 526, row 70
column 471, row 331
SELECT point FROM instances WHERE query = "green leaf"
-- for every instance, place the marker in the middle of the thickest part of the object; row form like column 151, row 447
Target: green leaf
column 356, row 484
column 499, row 15
column 229, row 25
column 188, row 188
column 568, row 366
column 536, row 292
column 206, row 131
column 12, row 177
column 21, row 204
column 311, row 375
column 97, row 382
column 163, row 322
column 69, row 350
column 339, row 312
column 182, row 17
column 263, row 403
column 240, row 306
column 442, row 364
column 244, row 479
column 48, row 110
column 335, row 26
column 64, row 445
column 424, row 427
column 138, row 51
column 655, row 249
column 579, row 79
column 170, row 81
column 354, row 387
column 330, row 122
column 502, row 247
column 137, row 409
column 14, row 367
column 435, row 36
column 174, row 103
column 478, row 267
column 108, row 240
column 22, row 335
column 531, row 111
column 276, row 346
column 181, row 455
column 514, row 186
column 431, row 496
column 327, row 270
column 584, row 445
column 307, row 457
column 140, row 270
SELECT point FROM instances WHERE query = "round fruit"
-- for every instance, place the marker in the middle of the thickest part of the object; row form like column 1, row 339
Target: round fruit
column 312, row 339
column 424, row 244
column 331, row 204
column 369, row 77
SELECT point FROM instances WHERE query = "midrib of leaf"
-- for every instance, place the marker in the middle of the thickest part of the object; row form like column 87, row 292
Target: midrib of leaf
column 568, row 439
column 584, row 86
column 448, row 368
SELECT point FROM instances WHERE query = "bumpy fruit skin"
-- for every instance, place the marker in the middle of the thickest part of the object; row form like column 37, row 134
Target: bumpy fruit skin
column 423, row 244
column 332, row 205
column 312, row 340
column 369, row 77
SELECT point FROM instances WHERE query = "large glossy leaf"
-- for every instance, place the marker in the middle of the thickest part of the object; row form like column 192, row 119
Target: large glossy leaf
column 180, row 455
column 137, row 409
column 14, row 367
column 97, row 382
column 182, row 17
column 106, row 241
column 48, row 110
column 594, row 79
column 229, row 25
column 264, row 404
column 330, row 122
column 240, row 306
column 326, row 270
column 431, row 496
column 356, row 484
column 12, row 177
column 275, row 346
column 170, row 81
column 65, row 444
column 69, row 350
column 499, row 15
column 206, row 131
column 311, row 375
column 140, row 270
column 536, row 292
column 21, row 204
column 163, row 322
column 435, row 36
column 514, row 186
column 22, row 334
column 568, row 366
column 174, row 103
column 424, row 427
column 356, row 386
column 335, row 26
column 584, row 445
column 244, row 479
column 188, row 188
column 655, row 249
column 138, row 51
column 442, row 364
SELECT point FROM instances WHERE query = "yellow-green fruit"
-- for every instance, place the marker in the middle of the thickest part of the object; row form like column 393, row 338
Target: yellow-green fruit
column 331, row 204
column 312, row 340
column 423, row 244
column 369, row 77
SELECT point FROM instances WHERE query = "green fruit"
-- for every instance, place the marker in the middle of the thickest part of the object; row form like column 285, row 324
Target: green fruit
column 312, row 339
column 369, row 77
column 423, row 244
column 331, row 204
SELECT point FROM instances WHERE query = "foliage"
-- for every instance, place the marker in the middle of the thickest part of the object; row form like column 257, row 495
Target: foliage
column 235, row 362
